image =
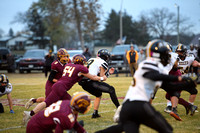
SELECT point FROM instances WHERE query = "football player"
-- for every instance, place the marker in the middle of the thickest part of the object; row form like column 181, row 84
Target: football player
column 72, row 73
column 6, row 89
column 56, row 73
column 184, row 62
column 60, row 116
column 99, row 66
column 136, row 108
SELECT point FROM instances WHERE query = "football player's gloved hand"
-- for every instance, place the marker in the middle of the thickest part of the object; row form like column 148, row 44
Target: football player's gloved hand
column 12, row 112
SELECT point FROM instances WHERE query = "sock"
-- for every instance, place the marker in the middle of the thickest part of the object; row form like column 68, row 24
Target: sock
column 169, row 103
column 32, row 113
column 34, row 100
column 183, row 102
column 95, row 112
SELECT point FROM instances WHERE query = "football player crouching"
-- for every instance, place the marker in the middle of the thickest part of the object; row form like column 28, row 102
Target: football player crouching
column 61, row 115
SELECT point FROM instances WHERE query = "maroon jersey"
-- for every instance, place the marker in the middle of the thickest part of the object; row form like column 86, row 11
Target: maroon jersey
column 58, row 67
column 58, row 116
column 69, row 78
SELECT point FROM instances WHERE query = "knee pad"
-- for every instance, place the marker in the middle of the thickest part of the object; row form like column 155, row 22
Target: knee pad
column 176, row 94
column 111, row 89
column 98, row 94
column 193, row 91
column 1, row 108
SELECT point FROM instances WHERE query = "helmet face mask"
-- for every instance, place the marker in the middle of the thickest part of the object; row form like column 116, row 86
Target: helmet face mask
column 80, row 102
column 104, row 54
column 63, row 55
column 79, row 59
column 158, row 50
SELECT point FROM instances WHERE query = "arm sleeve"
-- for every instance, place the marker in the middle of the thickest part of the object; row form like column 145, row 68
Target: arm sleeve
column 127, row 56
column 156, row 76
column 136, row 56
column 52, row 75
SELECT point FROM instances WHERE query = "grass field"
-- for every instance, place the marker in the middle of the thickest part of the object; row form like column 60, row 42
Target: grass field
column 26, row 86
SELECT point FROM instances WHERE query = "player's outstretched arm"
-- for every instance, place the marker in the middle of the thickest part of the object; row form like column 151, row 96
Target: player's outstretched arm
column 94, row 77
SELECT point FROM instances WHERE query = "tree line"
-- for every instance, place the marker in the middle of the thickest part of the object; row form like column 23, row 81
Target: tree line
column 73, row 23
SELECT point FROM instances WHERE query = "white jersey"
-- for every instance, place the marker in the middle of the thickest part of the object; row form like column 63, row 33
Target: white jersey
column 8, row 90
column 94, row 65
column 143, row 88
column 172, row 61
column 185, row 64
column 193, row 52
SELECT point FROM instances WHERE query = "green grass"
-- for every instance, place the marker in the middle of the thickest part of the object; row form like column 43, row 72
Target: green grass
column 26, row 86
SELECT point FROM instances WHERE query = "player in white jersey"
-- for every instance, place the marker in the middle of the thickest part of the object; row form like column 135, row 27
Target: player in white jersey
column 6, row 89
column 136, row 108
column 99, row 66
column 183, row 64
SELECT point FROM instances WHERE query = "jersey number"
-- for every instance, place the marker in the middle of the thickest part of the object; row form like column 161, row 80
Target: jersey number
column 69, row 70
column 89, row 63
column 53, row 108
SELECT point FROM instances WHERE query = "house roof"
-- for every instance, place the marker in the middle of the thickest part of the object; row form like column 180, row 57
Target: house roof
column 5, row 38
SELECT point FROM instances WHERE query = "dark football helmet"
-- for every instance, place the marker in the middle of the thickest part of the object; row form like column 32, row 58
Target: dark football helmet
column 3, row 79
column 169, row 46
column 158, row 50
column 181, row 50
column 104, row 54
column 80, row 102
column 79, row 59
column 63, row 55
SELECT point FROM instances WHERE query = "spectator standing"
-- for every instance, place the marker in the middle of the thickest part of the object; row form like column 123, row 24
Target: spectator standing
column 132, row 57
column 141, row 56
column 6, row 88
column 86, row 53
column 49, row 58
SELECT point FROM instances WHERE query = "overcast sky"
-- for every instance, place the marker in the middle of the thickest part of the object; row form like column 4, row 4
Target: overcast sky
column 188, row 8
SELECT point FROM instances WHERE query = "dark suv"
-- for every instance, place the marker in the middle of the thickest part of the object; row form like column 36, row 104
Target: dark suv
column 118, row 55
column 7, row 61
column 32, row 60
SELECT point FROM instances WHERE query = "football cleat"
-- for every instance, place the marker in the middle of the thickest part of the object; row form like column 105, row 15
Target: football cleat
column 26, row 117
column 29, row 103
column 193, row 108
column 168, row 109
column 95, row 115
column 174, row 114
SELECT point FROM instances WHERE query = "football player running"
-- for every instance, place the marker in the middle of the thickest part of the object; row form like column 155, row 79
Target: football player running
column 150, row 75
column 99, row 66
column 56, row 73
column 60, row 116
column 72, row 73
column 6, row 89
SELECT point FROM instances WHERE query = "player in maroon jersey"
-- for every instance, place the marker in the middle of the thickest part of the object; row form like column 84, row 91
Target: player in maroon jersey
column 60, row 116
column 56, row 73
column 72, row 73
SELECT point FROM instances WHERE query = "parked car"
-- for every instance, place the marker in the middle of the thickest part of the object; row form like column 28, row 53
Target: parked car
column 74, row 52
column 7, row 61
column 32, row 60
column 118, row 55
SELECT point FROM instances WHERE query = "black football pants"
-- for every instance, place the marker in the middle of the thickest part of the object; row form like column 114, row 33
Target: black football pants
column 134, row 113
column 96, row 88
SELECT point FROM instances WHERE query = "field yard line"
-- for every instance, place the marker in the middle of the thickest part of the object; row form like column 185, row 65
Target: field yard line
column 10, row 128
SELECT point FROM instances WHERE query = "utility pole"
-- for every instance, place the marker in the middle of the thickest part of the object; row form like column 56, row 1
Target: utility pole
column 121, row 28
column 178, row 40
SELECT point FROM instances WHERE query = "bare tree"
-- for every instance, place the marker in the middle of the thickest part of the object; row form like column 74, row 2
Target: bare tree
column 161, row 23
